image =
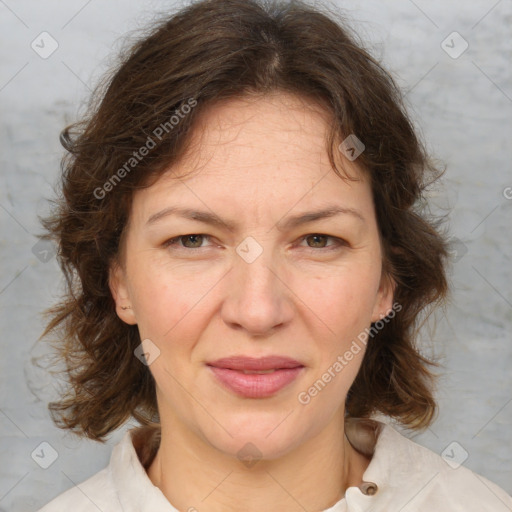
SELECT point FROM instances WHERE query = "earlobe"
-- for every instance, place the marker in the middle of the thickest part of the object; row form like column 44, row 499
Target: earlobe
column 119, row 290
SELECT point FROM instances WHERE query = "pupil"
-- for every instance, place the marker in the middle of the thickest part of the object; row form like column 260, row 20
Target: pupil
column 192, row 237
column 318, row 236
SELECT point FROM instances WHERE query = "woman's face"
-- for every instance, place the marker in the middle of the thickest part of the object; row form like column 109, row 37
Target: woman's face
column 254, row 281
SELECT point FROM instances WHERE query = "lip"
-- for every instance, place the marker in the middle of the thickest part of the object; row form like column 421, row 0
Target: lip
column 229, row 372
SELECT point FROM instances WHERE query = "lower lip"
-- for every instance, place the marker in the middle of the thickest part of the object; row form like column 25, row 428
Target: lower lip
column 256, row 385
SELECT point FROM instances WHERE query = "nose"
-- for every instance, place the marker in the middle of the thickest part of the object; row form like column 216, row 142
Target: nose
column 258, row 299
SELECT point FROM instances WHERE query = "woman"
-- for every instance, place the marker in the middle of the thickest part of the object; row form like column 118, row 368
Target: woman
column 246, row 266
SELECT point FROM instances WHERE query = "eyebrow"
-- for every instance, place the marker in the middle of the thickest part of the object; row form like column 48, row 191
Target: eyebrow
column 290, row 223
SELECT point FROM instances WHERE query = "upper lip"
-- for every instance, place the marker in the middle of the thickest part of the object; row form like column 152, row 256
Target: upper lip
column 255, row 363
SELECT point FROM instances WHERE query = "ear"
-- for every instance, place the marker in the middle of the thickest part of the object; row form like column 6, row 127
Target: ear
column 384, row 301
column 118, row 287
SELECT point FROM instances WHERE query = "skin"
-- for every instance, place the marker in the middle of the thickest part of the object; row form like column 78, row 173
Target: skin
column 256, row 161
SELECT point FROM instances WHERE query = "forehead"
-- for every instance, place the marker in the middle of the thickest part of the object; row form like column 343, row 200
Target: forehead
column 274, row 130
column 257, row 153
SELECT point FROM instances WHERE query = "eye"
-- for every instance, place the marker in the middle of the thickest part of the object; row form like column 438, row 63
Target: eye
column 319, row 240
column 194, row 239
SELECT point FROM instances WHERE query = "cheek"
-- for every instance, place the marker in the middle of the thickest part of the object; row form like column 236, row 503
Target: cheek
column 169, row 301
column 343, row 300
column 179, row 300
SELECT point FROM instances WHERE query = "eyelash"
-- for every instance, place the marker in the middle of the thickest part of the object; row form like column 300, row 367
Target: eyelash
column 339, row 242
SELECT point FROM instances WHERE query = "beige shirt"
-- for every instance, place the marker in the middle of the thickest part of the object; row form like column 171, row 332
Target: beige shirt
column 402, row 476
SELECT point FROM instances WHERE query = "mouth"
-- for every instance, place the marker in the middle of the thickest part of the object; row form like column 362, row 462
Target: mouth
column 255, row 377
column 259, row 372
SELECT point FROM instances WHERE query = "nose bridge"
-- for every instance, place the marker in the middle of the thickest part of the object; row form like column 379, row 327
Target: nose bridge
column 254, row 268
column 256, row 298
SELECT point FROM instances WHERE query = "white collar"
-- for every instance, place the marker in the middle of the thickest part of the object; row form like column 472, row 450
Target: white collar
column 137, row 493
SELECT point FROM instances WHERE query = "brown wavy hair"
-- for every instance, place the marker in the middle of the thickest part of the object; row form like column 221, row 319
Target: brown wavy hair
column 213, row 50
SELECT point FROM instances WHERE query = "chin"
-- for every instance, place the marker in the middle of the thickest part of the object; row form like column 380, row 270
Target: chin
column 255, row 437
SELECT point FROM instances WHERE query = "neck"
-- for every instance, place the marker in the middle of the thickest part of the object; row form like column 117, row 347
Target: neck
column 193, row 475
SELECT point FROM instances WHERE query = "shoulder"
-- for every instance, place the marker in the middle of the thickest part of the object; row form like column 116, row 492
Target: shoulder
column 420, row 480
column 96, row 493
column 448, row 485
column 122, row 485
column 100, row 491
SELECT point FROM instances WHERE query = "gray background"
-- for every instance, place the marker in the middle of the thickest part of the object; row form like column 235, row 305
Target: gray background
column 464, row 108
